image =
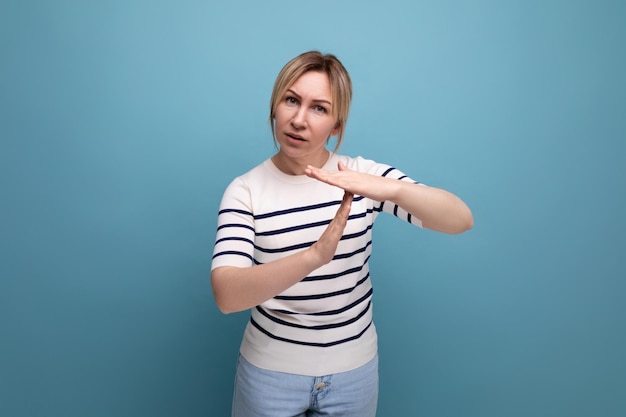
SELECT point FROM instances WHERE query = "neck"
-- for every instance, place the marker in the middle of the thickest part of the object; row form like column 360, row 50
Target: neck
column 296, row 166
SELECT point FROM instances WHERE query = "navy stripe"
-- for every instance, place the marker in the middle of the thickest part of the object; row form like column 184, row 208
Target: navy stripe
column 331, row 276
column 293, row 228
column 284, row 249
column 287, row 211
column 244, row 226
column 297, row 209
column 341, row 310
column 319, row 327
column 242, row 239
column 307, row 225
column 337, row 311
column 348, row 307
column 357, row 234
column 347, row 255
column 320, row 296
column 233, row 252
column 230, row 210
column 297, row 342
column 357, row 215
column 314, row 296
column 308, row 244
column 387, row 172
column 303, row 208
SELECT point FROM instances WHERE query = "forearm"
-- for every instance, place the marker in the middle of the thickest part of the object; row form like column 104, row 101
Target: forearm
column 237, row 289
column 438, row 209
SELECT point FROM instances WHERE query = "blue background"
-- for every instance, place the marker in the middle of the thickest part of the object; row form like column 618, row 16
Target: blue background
column 122, row 122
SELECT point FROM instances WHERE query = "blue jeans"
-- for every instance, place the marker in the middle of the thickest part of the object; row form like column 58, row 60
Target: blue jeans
column 263, row 393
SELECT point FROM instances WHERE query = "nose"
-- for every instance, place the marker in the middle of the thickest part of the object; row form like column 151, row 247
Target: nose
column 299, row 119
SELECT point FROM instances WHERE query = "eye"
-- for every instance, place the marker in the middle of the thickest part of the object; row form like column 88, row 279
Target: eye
column 291, row 100
column 320, row 109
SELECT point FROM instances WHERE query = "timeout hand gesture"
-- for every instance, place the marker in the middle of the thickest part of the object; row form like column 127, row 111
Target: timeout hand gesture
column 326, row 246
column 357, row 183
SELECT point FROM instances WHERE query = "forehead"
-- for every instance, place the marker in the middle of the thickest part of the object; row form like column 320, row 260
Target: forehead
column 313, row 83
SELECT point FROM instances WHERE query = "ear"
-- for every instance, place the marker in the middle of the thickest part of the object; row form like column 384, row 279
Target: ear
column 336, row 129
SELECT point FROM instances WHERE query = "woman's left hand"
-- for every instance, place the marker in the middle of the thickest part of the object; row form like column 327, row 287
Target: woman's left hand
column 437, row 209
column 358, row 183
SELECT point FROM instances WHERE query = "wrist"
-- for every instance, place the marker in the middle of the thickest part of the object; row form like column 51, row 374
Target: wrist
column 312, row 257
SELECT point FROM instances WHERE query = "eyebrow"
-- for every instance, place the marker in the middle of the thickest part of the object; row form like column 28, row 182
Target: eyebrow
column 314, row 100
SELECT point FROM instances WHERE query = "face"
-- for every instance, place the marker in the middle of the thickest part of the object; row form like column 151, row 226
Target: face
column 304, row 119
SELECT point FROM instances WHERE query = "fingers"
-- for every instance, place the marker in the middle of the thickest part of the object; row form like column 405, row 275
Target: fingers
column 326, row 246
column 311, row 171
column 339, row 178
column 347, row 199
column 346, row 204
column 317, row 173
column 320, row 173
column 341, row 217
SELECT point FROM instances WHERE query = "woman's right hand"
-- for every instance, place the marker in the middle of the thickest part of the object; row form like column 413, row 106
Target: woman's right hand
column 237, row 289
column 325, row 248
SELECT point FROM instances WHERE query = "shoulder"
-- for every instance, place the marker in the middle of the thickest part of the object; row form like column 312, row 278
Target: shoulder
column 241, row 186
column 259, row 173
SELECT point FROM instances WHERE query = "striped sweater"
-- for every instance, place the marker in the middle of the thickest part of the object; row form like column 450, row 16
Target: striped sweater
column 323, row 324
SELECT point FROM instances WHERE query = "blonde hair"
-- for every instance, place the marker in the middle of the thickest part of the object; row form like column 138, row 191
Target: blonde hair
column 340, row 86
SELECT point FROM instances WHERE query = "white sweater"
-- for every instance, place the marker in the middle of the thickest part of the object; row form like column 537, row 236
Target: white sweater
column 323, row 324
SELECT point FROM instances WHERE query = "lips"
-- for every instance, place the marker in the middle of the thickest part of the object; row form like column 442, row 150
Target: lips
column 294, row 136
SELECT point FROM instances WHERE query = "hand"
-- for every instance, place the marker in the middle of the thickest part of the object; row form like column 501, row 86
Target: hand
column 437, row 209
column 326, row 246
column 357, row 183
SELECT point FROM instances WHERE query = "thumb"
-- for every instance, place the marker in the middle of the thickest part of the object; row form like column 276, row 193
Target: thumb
column 341, row 166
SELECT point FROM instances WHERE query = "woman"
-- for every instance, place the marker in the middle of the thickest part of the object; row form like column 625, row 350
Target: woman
column 293, row 244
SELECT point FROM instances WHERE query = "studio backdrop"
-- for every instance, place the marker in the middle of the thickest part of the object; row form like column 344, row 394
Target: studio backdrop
column 122, row 122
